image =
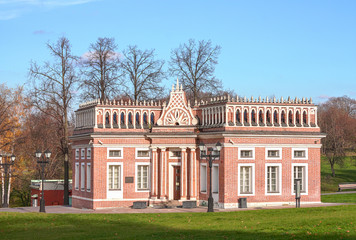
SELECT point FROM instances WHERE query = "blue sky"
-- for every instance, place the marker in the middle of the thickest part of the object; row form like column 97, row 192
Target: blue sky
column 281, row 48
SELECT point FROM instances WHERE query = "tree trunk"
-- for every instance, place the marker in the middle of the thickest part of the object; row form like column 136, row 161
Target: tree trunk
column 332, row 169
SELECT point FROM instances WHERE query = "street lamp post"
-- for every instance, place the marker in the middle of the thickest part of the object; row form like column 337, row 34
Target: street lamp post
column 42, row 161
column 211, row 155
column 6, row 166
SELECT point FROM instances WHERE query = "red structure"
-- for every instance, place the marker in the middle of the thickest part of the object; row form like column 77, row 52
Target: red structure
column 53, row 192
column 148, row 151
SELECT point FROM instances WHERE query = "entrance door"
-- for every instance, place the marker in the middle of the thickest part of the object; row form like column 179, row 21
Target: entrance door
column 176, row 182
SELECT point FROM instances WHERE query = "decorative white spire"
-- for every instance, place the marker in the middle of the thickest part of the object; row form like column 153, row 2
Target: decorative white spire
column 177, row 86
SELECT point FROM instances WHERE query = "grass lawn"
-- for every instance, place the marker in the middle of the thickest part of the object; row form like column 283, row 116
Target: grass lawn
column 344, row 173
column 303, row 223
column 339, row 198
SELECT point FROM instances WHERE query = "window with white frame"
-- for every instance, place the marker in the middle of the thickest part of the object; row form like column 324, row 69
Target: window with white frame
column 246, row 153
column 76, row 153
column 273, row 179
column 246, row 179
column 115, row 153
column 88, row 177
column 203, row 178
column 82, row 177
column 82, row 153
column 114, row 177
column 175, row 153
column 299, row 153
column 88, row 153
column 76, row 176
column 142, row 153
column 142, row 177
column 273, row 153
column 300, row 172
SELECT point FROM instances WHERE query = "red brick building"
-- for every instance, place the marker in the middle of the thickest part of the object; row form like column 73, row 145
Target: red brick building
column 148, row 151
column 53, row 192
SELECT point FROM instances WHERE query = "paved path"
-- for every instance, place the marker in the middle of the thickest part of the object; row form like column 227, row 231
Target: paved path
column 332, row 193
column 64, row 209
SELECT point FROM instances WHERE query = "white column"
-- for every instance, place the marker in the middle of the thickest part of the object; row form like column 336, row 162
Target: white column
column 163, row 174
column 184, row 177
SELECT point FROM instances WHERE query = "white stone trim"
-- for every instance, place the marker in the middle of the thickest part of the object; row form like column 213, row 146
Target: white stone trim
column 113, row 194
column 148, row 177
column 246, row 149
column 280, row 176
column 171, row 180
column 273, row 149
column 300, row 149
column 253, row 178
column 206, row 178
column 112, row 148
column 143, row 149
column 306, row 177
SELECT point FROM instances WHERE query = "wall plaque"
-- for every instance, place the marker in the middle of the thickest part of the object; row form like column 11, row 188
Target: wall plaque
column 129, row 179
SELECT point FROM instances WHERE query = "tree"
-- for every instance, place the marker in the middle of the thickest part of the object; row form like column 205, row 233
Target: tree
column 52, row 94
column 142, row 73
column 340, row 126
column 194, row 64
column 100, row 70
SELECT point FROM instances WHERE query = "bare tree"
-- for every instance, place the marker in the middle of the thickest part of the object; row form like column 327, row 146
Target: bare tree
column 194, row 64
column 52, row 94
column 340, row 126
column 100, row 70
column 142, row 73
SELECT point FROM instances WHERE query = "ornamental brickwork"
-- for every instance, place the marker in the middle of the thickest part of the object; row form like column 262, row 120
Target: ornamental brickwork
column 128, row 151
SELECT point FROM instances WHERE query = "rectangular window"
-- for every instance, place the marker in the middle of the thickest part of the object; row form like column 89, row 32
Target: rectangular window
column 82, row 153
column 273, row 153
column 77, row 176
column 82, row 177
column 88, row 153
column 203, row 178
column 247, row 153
column 115, row 153
column 299, row 172
column 272, row 179
column 88, row 177
column 299, row 153
column 143, row 153
column 142, row 177
column 246, row 180
column 176, row 154
column 76, row 153
column 114, row 177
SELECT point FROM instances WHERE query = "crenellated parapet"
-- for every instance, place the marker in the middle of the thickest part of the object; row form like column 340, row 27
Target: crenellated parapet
column 223, row 111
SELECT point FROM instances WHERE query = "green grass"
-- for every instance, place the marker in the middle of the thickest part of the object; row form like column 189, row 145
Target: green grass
column 339, row 198
column 344, row 173
column 303, row 223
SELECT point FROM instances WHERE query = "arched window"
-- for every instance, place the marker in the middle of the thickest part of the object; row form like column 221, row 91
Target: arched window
column 305, row 117
column 290, row 117
column 107, row 118
column 253, row 116
column 245, row 116
column 283, row 117
column 115, row 118
column 152, row 118
column 268, row 116
column 275, row 116
column 297, row 117
column 260, row 116
column 130, row 118
column 145, row 118
column 137, row 118
column 238, row 116
column 122, row 118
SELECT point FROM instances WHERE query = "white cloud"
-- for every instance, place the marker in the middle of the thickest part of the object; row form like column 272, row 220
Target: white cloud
column 15, row 8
